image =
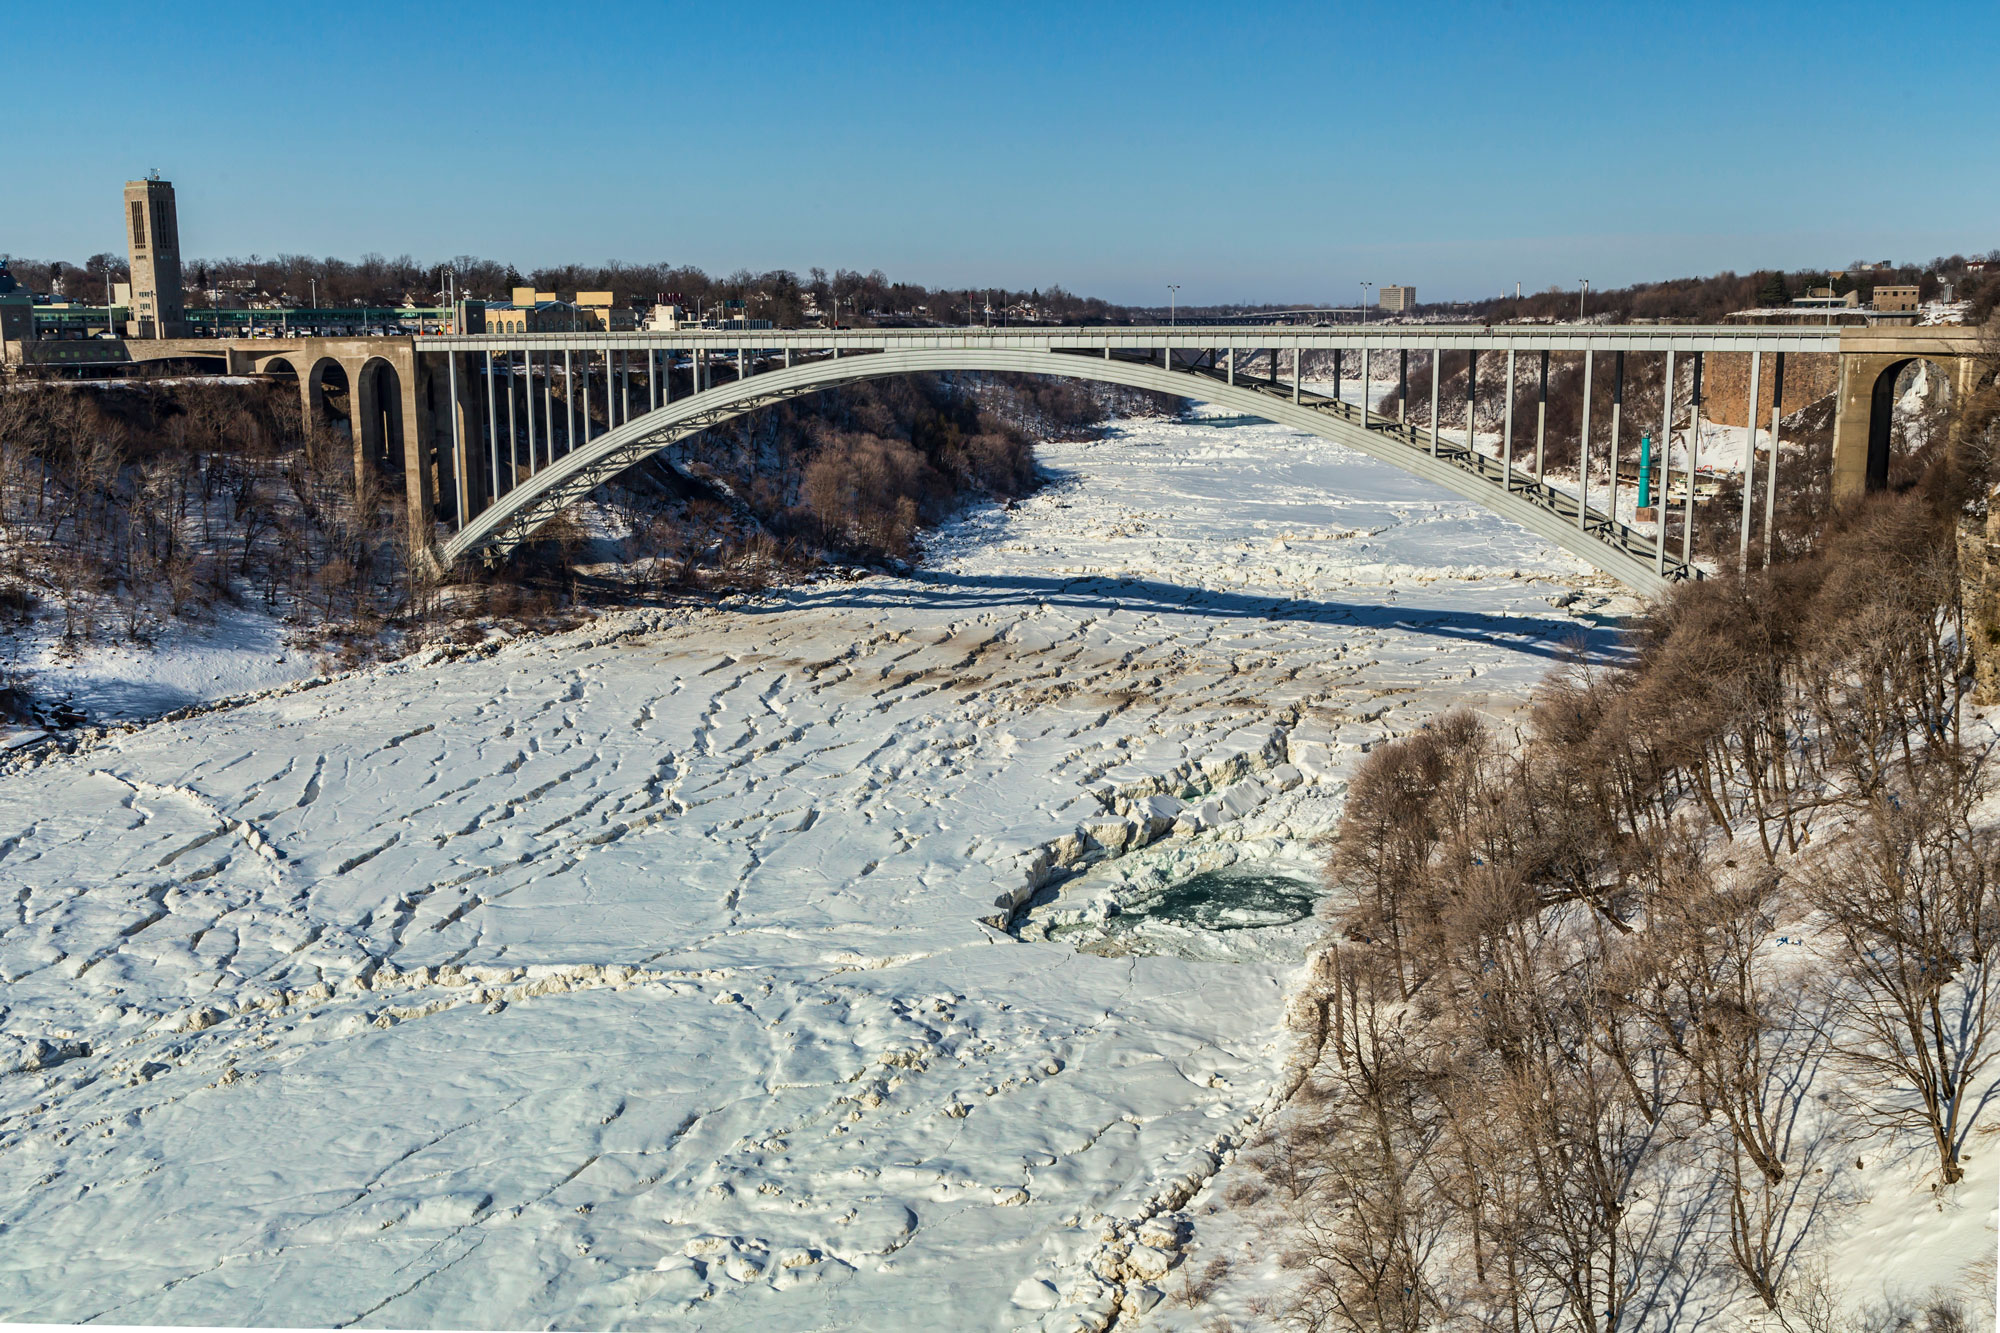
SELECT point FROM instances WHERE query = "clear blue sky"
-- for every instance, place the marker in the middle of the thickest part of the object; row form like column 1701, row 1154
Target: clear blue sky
column 1249, row 152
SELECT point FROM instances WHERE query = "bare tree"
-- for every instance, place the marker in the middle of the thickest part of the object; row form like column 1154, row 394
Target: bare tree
column 1750, row 1035
column 1912, row 899
column 1364, row 1199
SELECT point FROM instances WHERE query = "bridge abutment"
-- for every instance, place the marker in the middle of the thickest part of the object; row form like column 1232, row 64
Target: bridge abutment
column 1864, row 403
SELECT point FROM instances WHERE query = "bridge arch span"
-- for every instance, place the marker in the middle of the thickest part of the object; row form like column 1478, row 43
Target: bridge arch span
column 517, row 515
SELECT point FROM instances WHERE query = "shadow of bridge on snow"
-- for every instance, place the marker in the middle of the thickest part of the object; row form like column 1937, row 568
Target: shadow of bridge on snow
column 1553, row 636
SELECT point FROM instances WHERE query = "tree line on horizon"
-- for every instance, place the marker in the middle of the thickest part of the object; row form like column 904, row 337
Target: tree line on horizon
column 785, row 297
column 1707, row 300
column 779, row 295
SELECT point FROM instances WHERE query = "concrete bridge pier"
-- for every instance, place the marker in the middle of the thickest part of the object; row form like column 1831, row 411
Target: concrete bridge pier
column 1864, row 412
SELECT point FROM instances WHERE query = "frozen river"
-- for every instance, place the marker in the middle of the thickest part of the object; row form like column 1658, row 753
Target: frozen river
column 655, row 972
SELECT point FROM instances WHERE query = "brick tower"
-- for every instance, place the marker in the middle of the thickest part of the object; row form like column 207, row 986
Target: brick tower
column 156, row 260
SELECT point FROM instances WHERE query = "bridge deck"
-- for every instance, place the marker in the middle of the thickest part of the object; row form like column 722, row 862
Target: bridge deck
column 1377, row 337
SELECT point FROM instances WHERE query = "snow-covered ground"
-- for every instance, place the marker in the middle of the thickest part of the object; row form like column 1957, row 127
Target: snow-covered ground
column 229, row 651
column 655, row 971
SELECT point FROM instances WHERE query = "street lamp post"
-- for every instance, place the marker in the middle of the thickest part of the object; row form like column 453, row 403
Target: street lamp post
column 1364, row 301
column 1173, row 303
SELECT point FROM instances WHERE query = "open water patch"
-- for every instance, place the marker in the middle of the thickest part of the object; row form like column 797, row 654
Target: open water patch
column 1230, row 899
column 1195, row 902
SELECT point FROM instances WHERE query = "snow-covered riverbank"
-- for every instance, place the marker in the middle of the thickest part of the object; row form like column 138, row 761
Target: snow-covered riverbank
column 651, row 971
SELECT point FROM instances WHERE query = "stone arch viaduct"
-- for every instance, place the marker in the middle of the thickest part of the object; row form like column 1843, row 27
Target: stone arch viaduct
column 491, row 436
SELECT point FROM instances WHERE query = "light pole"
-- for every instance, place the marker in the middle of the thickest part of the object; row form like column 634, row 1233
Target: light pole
column 1364, row 301
column 1583, row 292
column 1173, row 303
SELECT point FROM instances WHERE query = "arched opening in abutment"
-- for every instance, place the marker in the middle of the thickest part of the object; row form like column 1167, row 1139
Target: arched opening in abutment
column 283, row 377
column 378, row 419
column 1907, row 411
column 329, row 398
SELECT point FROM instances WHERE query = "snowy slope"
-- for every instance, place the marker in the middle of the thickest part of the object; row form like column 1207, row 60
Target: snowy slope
column 641, row 973
column 234, row 651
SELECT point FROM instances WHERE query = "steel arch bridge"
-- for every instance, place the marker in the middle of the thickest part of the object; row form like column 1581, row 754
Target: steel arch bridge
column 1544, row 510
column 495, row 503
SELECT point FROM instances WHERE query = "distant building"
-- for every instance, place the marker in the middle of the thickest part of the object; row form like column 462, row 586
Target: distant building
column 599, row 310
column 531, row 312
column 17, row 317
column 1818, row 297
column 1902, row 297
column 1398, row 298
column 156, row 260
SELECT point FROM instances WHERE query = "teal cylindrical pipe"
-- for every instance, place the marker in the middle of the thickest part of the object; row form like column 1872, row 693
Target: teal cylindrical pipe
column 1645, row 471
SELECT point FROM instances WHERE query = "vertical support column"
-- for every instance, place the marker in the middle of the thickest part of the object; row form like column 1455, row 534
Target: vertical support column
column 1437, row 356
column 492, row 435
column 459, row 499
column 1750, row 460
column 1365, row 387
column 1542, row 415
column 652, row 379
column 1694, row 463
column 1583, row 446
column 788, row 356
column 1771, row 477
column 528, row 409
column 742, row 365
column 418, row 440
column 1298, row 371
column 513, row 432
column 1339, row 355
column 1507, row 431
column 365, row 407
column 1471, row 399
column 569, row 403
column 1666, row 464
column 549, row 405
column 1403, row 386
column 1617, row 422
column 1229, row 365
column 610, row 393
column 583, row 400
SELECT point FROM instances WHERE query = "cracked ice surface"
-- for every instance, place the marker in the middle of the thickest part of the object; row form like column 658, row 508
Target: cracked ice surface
column 614, row 978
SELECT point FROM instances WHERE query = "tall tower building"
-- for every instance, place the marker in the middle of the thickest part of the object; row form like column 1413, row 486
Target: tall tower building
column 156, row 259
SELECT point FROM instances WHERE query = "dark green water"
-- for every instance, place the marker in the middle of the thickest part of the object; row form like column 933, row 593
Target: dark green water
column 1230, row 900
